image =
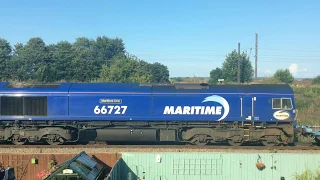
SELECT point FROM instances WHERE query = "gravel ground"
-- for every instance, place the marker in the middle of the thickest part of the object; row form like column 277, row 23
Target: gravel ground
column 122, row 150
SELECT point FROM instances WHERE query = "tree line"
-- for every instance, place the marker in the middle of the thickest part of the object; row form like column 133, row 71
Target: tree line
column 86, row 60
column 229, row 69
column 105, row 60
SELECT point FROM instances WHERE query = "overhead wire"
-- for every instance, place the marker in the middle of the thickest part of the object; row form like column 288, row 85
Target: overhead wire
column 263, row 56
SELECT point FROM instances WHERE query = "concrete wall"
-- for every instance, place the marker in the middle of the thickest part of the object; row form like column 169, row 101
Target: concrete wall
column 208, row 166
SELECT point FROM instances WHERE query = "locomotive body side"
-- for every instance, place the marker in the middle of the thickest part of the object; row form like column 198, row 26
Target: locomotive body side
column 196, row 105
column 29, row 113
column 259, row 113
column 34, row 104
column 110, row 102
column 225, row 104
column 71, row 112
column 269, row 108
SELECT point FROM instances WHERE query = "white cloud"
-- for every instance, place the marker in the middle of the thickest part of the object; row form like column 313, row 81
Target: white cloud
column 294, row 69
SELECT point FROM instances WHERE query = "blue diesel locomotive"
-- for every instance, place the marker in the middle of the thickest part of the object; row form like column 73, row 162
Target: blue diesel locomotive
column 189, row 113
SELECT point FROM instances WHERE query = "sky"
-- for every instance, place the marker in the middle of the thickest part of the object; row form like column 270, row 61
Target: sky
column 190, row 37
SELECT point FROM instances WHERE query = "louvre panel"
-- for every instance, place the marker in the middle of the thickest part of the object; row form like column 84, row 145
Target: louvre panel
column 12, row 106
column 35, row 106
column 24, row 106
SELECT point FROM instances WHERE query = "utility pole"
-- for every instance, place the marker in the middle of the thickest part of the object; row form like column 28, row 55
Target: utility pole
column 238, row 63
column 256, row 59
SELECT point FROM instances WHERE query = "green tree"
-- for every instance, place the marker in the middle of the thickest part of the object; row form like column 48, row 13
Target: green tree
column 229, row 69
column 29, row 60
column 284, row 76
column 62, row 55
column 126, row 70
column 215, row 74
column 316, row 80
column 106, row 48
column 84, row 60
column 159, row 73
column 83, row 63
column 141, row 71
column 90, row 55
column 5, row 55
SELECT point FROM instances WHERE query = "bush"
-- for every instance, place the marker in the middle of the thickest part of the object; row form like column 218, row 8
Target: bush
column 316, row 80
column 269, row 80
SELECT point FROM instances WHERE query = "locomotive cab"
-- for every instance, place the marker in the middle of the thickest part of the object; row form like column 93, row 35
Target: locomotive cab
column 283, row 109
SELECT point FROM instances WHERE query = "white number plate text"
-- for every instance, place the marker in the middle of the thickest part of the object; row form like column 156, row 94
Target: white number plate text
column 110, row 109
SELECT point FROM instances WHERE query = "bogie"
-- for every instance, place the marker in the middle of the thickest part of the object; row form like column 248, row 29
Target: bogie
column 227, row 134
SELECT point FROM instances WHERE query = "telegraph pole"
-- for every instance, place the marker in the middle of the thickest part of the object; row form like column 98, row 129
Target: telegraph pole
column 238, row 63
column 256, row 59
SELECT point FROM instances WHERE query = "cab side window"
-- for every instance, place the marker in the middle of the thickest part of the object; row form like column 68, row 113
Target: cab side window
column 281, row 103
column 276, row 103
column 286, row 103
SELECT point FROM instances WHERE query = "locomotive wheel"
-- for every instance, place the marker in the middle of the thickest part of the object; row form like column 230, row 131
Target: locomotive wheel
column 200, row 140
column 271, row 141
column 232, row 143
column 17, row 140
column 268, row 144
column 235, row 141
column 317, row 141
column 54, row 140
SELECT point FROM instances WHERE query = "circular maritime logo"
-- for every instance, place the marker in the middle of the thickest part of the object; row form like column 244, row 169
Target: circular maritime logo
column 281, row 115
column 202, row 110
column 220, row 100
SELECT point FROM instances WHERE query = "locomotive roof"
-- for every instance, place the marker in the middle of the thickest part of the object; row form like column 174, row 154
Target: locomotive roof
column 21, row 87
column 185, row 87
column 231, row 88
column 146, row 87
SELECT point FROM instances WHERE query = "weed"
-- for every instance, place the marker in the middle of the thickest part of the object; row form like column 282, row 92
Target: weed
column 308, row 175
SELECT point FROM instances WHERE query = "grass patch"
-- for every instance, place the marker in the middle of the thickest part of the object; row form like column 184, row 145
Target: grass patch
column 308, row 175
column 307, row 99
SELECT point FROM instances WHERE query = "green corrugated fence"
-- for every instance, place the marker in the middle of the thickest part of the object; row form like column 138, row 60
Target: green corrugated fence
column 212, row 166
